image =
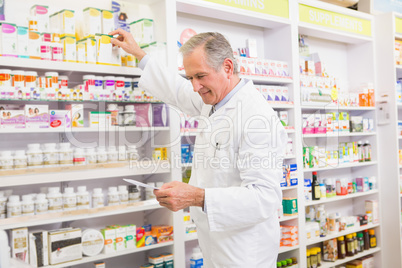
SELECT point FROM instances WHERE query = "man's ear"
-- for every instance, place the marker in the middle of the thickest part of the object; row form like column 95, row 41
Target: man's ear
column 228, row 67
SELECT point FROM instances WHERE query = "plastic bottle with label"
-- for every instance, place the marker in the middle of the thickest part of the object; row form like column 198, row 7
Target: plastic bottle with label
column 315, row 187
column 55, row 199
column 27, row 206
column 373, row 239
column 134, row 194
column 65, row 154
column 114, row 110
column 20, row 160
column 35, row 156
column 341, row 248
column 101, row 155
column 41, row 204
column 50, row 155
column 322, row 220
column 129, row 115
column 3, row 205
column 69, row 199
column 149, row 192
column 14, row 207
column 113, row 196
column 90, row 156
column 6, row 160
column 197, row 260
column 122, row 153
column 82, row 198
column 98, row 198
column 112, row 154
column 123, row 194
column 367, row 151
column 79, row 157
column 360, row 242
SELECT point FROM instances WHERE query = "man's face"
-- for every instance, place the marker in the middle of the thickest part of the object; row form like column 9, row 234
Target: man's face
column 210, row 84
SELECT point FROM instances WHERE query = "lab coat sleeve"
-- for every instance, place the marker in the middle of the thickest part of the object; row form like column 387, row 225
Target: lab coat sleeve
column 259, row 195
column 171, row 88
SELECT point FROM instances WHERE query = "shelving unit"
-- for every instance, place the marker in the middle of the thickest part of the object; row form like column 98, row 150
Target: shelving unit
column 84, row 129
column 351, row 57
column 348, row 259
column 388, row 28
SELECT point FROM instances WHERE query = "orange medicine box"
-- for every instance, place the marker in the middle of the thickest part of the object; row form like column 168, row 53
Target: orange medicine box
column 162, row 233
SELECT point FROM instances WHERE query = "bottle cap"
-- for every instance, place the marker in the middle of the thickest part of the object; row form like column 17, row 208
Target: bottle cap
column 371, row 232
column 341, row 238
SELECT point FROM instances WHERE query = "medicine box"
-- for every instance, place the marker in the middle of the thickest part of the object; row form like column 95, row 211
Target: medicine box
column 38, row 248
column 92, row 22
column 167, row 259
column 104, row 49
column 69, row 48
column 19, row 244
column 109, row 236
column 36, row 116
column 356, row 124
column 289, row 206
column 81, row 53
column 8, row 39
column 12, row 118
column 22, row 41
column 372, row 205
column 160, row 116
column 149, row 239
column 107, row 21
column 354, row 264
column 100, row 119
column 90, row 49
column 163, row 233
column 330, row 250
column 67, row 22
column 143, row 31
column 156, row 260
column 140, row 237
column 65, row 245
column 76, row 114
column 143, row 114
column 42, row 15
column 130, row 239
column 293, row 174
column 60, row 118
column 120, row 238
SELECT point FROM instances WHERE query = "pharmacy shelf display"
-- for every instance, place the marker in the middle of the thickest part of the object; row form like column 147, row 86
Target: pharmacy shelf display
column 388, row 56
column 29, row 181
column 342, row 51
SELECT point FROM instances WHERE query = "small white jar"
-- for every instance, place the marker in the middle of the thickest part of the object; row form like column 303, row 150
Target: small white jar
column 129, row 115
column 50, row 155
column 90, row 156
column 149, row 192
column 132, row 152
column 27, row 205
column 79, row 157
column 55, row 199
column 6, row 160
column 112, row 155
column 123, row 194
column 122, row 153
column 101, row 155
column 14, row 208
column 98, row 199
column 113, row 196
column 41, row 204
column 65, row 154
column 35, row 156
column 20, row 160
column 3, row 205
column 82, row 198
column 69, row 199
column 134, row 195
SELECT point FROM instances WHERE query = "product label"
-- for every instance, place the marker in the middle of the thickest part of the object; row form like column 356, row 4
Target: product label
column 398, row 25
column 35, row 160
column 41, row 208
column 28, row 209
column 2, row 209
column 334, row 20
column 13, row 211
column 50, row 158
column 66, row 158
column 6, row 164
column 82, row 200
column 55, row 204
column 97, row 202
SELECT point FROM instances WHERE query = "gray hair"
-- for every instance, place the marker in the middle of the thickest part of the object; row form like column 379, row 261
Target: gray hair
column 216, row 48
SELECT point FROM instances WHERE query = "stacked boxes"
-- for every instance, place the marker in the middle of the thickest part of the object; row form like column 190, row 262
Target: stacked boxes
column 289, row 236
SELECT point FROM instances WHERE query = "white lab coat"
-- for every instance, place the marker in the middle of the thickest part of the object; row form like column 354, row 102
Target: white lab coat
column 240, row 227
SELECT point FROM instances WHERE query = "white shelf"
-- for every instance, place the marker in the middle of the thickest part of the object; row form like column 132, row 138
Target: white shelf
column 287, row 249
column 191, row 237
column 107, row 256
column 84, row 129
column 78, row 173
column 343, row 233
column 279, row 105
column 188, row 132
column 227, row 13
column 399, row 104
column 288, row 218
column 348, row 259
column 267, row 80
column 68, row 67
column 290, row 156
column 337, row 108
column 14, row 263
column 49, row 218
column 342, row 134
column 340, row 166
column 339, row 198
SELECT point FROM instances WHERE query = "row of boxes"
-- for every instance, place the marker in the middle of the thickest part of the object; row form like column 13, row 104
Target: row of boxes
column 289, row 236
column 274, row 93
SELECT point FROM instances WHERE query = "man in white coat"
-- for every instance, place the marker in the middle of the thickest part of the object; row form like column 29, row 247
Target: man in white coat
column 234, row 191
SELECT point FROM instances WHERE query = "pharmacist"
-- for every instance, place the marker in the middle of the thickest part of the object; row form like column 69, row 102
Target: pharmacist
column 234, row 191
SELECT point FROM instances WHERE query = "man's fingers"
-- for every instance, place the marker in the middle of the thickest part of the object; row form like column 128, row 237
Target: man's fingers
column 116, row 42
column 118, row 31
